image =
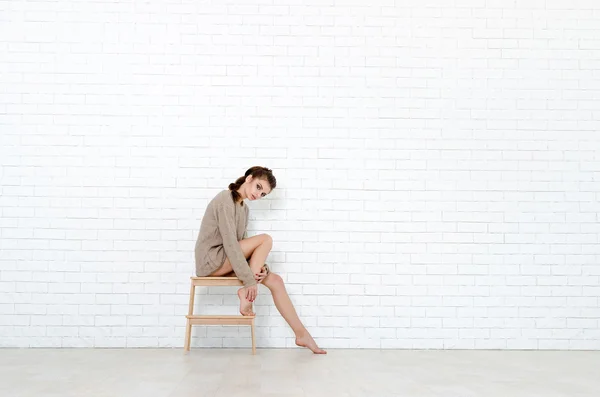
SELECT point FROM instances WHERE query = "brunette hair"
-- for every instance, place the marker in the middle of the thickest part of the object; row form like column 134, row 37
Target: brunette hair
column 256, row 172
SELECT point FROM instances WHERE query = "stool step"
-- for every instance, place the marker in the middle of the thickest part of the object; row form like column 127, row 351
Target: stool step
column 220, row 320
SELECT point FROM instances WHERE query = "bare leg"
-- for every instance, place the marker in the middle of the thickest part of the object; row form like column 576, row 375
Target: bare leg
column 256, row 248
column 257, row 260
column 286, row 308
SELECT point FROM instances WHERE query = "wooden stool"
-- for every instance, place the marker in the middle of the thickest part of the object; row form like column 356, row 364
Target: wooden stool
column 214, row 319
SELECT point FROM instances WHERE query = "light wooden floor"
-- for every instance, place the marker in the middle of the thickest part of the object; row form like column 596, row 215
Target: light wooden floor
column 296, row 372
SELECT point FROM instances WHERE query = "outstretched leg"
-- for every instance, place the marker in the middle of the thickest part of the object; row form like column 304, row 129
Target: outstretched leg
column 286, row 308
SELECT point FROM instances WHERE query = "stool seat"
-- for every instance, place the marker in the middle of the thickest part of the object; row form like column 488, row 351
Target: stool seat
column 215, row 319
column 219, row 280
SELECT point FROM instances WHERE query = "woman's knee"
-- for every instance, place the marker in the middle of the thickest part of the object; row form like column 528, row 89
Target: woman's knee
column 267, row 239
column 273, row 280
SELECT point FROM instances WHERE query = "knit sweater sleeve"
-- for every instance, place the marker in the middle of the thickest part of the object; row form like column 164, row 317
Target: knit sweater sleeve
column 246, row 226
column 226, row 222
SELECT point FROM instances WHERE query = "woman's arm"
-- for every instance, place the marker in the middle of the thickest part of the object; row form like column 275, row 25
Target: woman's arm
column 246, row 226
column 226, row 222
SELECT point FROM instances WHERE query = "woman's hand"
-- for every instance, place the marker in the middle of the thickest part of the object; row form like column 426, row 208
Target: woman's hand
column 259, row 277
column 251, row 292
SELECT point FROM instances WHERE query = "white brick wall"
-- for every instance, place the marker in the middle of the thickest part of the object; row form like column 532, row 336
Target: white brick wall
column 438, row 167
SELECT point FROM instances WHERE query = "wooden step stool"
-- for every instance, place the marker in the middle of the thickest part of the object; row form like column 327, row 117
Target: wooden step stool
column 214, row 319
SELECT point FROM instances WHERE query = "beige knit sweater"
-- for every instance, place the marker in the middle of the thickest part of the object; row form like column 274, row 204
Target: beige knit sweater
column 224, row 224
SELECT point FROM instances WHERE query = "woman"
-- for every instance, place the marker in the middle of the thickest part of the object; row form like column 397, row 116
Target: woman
column 222, row 248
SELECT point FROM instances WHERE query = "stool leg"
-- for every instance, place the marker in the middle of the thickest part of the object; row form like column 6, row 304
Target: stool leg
column 188, row 327
column 188, row 334
column 253, row 339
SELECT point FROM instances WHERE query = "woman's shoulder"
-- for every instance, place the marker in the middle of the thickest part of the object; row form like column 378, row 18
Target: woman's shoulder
column 221, row 198
column 224, row 198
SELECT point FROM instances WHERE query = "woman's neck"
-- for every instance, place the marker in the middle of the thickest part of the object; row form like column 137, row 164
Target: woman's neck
column 240, row 191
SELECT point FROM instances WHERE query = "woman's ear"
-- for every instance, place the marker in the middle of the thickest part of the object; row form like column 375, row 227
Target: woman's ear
column 248, row 178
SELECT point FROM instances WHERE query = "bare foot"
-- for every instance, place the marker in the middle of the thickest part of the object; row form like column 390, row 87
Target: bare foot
column 307, row 341
column 245, row 304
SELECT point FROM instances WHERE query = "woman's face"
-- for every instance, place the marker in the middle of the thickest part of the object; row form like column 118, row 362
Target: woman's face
column 256, row 188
